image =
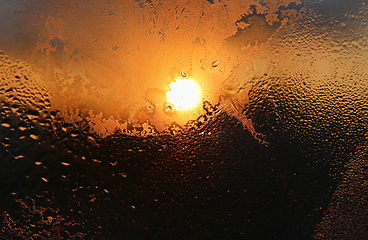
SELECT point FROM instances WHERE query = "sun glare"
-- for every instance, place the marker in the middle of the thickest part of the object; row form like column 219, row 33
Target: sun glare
column 184, row 94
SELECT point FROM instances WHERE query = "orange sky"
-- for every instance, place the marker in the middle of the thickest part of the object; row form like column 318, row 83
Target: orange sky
column 115, row 60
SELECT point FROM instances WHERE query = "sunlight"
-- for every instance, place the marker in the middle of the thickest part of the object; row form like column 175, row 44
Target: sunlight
column 184, row 94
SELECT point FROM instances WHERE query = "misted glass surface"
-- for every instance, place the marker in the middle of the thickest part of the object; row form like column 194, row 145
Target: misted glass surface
column 203, row 119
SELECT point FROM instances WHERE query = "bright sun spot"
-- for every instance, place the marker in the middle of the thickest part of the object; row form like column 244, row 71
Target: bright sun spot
column 184, row 94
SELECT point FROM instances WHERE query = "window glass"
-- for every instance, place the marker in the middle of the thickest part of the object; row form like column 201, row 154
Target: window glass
column 154, row 119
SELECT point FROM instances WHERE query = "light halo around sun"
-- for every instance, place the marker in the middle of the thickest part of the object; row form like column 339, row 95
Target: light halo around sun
column 184, row 94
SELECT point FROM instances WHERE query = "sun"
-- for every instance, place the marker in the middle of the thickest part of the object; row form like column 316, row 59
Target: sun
column 184, row 94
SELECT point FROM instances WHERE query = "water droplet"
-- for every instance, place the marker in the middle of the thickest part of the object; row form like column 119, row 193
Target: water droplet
column 34, row 136
column 150, row 109
column 183, row 74
column 91, row 138
column 215, row 63
column 168, row 108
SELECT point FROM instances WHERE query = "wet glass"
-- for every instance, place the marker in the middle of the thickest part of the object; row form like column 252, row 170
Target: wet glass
column 217, row 119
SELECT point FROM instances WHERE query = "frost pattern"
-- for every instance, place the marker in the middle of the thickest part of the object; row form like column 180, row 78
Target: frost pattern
column 99, row 60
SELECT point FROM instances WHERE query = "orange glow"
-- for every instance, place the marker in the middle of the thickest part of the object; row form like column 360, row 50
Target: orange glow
column 184, row 94
column 91, row 68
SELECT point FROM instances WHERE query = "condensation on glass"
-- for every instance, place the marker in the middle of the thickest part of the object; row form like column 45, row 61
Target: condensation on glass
column 91, row 148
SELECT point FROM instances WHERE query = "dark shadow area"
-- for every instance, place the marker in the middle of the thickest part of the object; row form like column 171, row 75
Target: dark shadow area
column 213, row 181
